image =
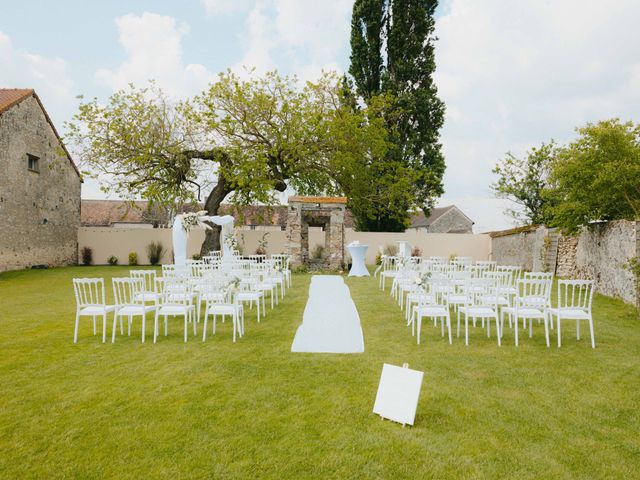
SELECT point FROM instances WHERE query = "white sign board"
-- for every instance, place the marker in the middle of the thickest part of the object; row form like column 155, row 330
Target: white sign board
column 398, row 394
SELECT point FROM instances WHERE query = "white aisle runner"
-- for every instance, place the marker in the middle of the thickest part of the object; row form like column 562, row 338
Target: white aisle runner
column 331, row 323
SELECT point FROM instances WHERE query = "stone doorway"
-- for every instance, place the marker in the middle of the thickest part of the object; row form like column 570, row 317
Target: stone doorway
column 325, row 212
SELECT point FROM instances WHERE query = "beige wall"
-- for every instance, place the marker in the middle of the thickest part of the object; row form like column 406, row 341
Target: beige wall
column 107, row 241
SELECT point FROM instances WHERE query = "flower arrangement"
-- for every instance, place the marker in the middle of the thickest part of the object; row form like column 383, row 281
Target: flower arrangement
column 422, row 279
column 234, row 285
column 192, row 219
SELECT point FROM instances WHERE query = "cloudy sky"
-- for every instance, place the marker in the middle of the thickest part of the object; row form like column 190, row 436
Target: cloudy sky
column 512, row 74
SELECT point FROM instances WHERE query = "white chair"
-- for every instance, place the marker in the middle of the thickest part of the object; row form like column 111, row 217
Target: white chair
column 431, row 306
column 480, row 295
column 176, row 301
column 91, row 302
column 228, row 305
column 148, row 292
column 389, row 269
column 251, row 293
column 129, row 303
column 574, row 303
column 417, row 294
column 531, row 302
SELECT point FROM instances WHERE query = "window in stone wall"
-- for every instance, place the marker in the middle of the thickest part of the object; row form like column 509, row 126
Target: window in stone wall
column 33, row 163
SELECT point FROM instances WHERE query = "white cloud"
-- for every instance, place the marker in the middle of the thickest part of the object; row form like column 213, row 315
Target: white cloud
column 306, row 37
column 47, row 75
column 225, row 7
column 153, row 44
column 513, row 74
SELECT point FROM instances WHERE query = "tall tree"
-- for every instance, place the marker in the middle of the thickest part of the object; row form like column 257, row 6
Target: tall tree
column 392, row 45
column 597, row 177
column 524, row 182
column 240, row 139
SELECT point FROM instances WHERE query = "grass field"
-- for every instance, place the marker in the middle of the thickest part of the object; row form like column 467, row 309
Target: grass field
column 255, row 410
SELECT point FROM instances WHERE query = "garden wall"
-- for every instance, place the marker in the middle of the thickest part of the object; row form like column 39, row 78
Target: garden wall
column 599, row 252
column 107, row 241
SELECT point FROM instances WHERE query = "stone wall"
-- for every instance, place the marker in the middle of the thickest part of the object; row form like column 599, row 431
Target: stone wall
column 39, row 212
column 599, row 252
column 522, row 247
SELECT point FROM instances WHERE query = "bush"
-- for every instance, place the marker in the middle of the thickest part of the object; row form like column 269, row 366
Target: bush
column 133, row 259
column 378, row 258
column 155, row 252
column 301, row 269
column 391, row 250
column 416, row 252
column 196, row 256
column 112, row 260
column 87, row 255
column 318, row 252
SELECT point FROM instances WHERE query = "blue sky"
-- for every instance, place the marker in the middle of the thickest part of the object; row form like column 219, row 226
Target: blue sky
column 512, row 74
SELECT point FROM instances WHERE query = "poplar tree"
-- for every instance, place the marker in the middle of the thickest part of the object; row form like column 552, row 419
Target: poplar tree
column 392, row 53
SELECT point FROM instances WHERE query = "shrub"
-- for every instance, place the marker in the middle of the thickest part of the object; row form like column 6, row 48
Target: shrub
column 155, row 252
column 262, row 245
column 416, row 252
column 112, row 260
column 196, row 256
column 133, row 258
column 318, row 252
column 378, row 258
column 301, row 269
column 87, row 255
column 391, row 250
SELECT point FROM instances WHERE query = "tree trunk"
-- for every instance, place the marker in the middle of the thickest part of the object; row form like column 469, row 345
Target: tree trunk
column 215, row 198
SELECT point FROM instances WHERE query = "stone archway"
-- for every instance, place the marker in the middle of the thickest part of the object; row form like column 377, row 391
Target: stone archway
column 325, row 212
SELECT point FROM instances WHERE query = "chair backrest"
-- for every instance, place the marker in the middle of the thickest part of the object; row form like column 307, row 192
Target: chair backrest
column 89, row 291
column 389, row 263
column 480, row 291
column 487, row 264
column 462, row 260
column 437, row 259
column 539, row 275
column 175, row 290
column 126, row 290
column 148, row 277
column 575, row 294
column 532, row 292
column 501, row 279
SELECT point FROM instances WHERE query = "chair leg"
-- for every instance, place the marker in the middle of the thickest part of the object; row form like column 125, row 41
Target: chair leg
column 75, row 329
column 94, row 325
column 195, row 331
column 515, row 323
column 104, row 327
column 234, row 321
column 546, row 330
column 559, row 341
column 593, row 338
column 144, row 323
column 113, row 329
column 419, row 327
column 186, row 318
column 577, row 329
column 449, row 325
column 155, row 327
column 204, row 324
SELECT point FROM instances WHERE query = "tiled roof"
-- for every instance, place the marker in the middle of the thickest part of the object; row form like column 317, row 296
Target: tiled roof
column 419, row 219
column 318, row 199
column 10, row 97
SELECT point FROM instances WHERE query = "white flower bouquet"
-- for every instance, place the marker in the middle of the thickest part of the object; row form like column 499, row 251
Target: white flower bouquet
column 192, row 219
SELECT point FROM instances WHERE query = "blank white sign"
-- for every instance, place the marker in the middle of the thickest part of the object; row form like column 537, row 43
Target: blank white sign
column 398, row 394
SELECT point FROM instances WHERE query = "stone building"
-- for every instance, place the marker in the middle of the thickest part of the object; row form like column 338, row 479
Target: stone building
column 324, row 212
column 442, row 220
column 39, row 187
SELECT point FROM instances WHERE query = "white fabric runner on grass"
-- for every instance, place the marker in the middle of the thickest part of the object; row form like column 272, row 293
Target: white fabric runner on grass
column 331, row 323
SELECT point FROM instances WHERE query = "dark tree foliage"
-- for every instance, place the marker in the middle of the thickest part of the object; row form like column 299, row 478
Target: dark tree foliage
column 392, row 46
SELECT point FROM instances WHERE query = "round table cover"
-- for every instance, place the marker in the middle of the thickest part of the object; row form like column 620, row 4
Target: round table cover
column 358, row 267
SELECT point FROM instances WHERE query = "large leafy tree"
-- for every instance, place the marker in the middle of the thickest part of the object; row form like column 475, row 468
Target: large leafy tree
column 524, row 181
column 242, row 139
column 392, row 44
column 597, row 177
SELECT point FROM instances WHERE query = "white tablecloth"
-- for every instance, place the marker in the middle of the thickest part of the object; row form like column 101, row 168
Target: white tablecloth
column 358, row 267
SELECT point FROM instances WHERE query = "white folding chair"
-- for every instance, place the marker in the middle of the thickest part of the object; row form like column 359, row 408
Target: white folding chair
column 148, row 292
column 574, row 303
column 531, row 302
column 480, row 295
column 228, row 305
column 431, row 305
column 91, row 302
column 176, row 300
column 129, row 303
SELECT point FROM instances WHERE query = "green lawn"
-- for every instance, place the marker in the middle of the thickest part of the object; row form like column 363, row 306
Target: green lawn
column 255, row 410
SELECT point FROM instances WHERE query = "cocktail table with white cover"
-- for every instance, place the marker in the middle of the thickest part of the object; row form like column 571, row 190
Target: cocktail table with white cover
column 358, row 267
